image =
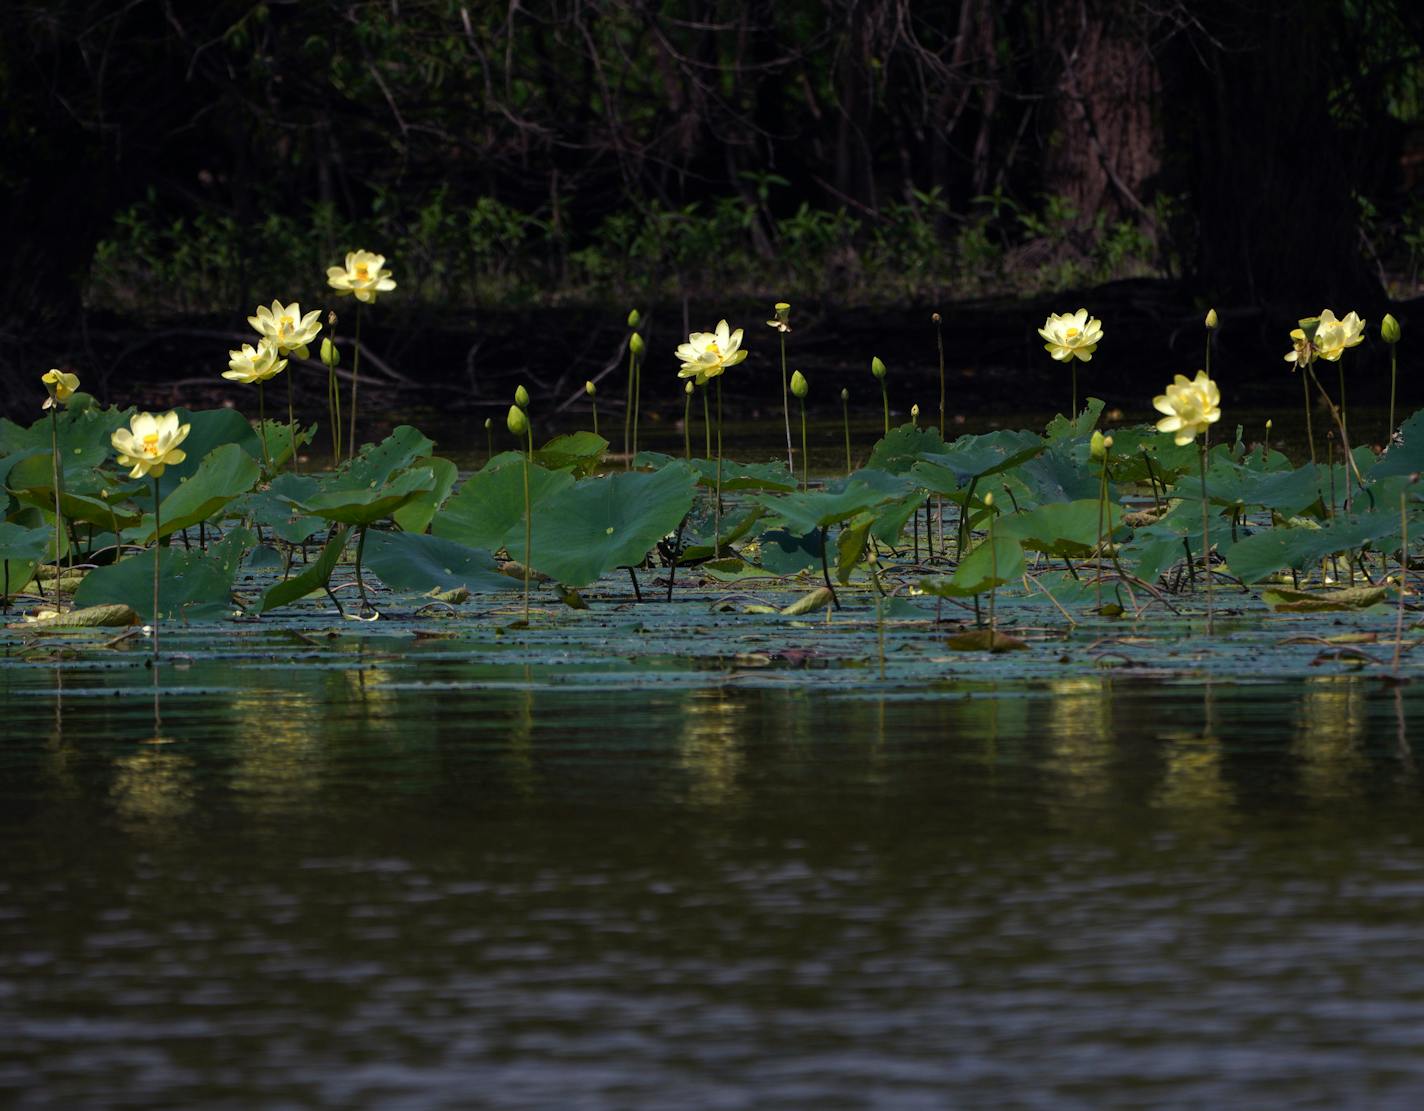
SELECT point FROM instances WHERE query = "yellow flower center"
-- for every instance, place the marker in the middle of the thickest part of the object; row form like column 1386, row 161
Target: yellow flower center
column 150, row 444
column 363, row 272
column 714, row 350
column 284, row 325
column 1072, row 333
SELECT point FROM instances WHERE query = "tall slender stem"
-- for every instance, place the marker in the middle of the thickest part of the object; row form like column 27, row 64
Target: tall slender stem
column 1073, row 412
column 355, row 384
column 786, row 405
column 1340, row 367
column 1403, row 577
column 637, row 400
column 707, row 421
column 687, row 425
column 1206, row 544
column 595, row 417
column 885, row 401
column 1309, row 431
column 262, row 428
column 58, row 508
column 1393, row 366
column 717, row 505
column 360, row 554
column 1102, row 506
column 628, row 411
column 528, row 528
column 157, row 549
column 805, row 465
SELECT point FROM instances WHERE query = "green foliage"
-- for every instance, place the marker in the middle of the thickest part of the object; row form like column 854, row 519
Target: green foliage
column 412, row 561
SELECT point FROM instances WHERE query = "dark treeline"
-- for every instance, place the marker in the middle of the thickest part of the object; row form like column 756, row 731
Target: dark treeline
column 1260, row 151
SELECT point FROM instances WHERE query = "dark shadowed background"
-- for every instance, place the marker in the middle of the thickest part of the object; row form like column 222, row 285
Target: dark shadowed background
column 534, row 170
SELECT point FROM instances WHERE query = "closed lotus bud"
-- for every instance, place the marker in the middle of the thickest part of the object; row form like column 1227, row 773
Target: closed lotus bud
column 1097, row 446
column 1211, row 320
column 1268, row 426
column 877, row 367
column 489, row 424
column 799, row 386
column 1389, row 328
column 1107, row 443
column 687, row 387
column 634, row 319
column 590, row 389
column 988, row 501
column 521, row 397
column 845, row 395
column 516, row 421
column 934, row 316
column 330, row 355
column 636, row 345
column 914, row 412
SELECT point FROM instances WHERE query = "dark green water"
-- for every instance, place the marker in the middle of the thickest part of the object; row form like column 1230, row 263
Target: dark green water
column 364, row 871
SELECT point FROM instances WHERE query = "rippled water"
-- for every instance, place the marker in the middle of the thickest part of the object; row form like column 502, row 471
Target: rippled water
column 403, row 878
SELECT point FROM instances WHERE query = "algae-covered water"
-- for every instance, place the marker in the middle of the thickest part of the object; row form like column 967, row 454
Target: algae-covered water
column 683, row 855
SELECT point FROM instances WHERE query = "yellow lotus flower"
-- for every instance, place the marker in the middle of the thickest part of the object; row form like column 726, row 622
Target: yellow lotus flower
column 1333, row 336
column 362, row 275
column 251, row 364
column 1071, row 335
column 1302, row 351
column 286, row 327
column 705, row 355
column 1190, row 406
column 150, row 443
column 60, row 386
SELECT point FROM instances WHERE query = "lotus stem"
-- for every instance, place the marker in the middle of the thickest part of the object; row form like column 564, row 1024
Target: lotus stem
column 637, row 401
column 687, row 425
column 58, row 509
column 333, row 409
column 993, row 568
column 628, row 411
column 355, row 384
column 1309, row 430
column 1340, row 368
column 1206, row 544
column 262, row 428
column 1102, row 507
column 786, row 406
column 489, row 441
column 1403, row 578
column 595, row 416
column 1073, row 412
column 292, row 421
column 707, row 421
column 873, row 561
column 1393, row 367
column 885, row 401
column 157, row 549
column 805, row 463
column 717, row 503
column 361, row 582
column 528, row 527
column 826, row 569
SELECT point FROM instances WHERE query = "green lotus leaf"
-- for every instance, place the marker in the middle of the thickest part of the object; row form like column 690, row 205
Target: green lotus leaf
column 590, row 528
column 416, row 561
column 488, row 510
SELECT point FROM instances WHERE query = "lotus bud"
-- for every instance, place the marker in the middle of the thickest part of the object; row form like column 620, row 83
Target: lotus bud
column 799, row 386
column 1107, row 443
column 516, row 421
column 521, row 397
column 1211, row 319
column 1268, row 426
column 934, row 317
column 489, row 424
column 914, row 412
column 330, row 353
column 687, row 387
column 988, row 501
column 303, row 352
column 590, row 389
column 634, row 319
column 1389, row 328
column 845, row 394
column 877, row 367
column 1097, row 446
column 636, row 345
